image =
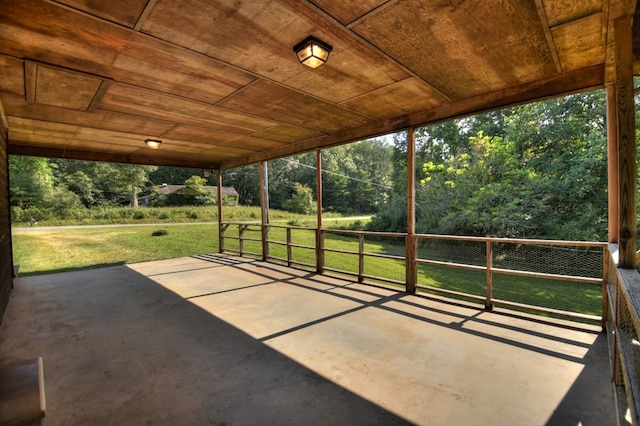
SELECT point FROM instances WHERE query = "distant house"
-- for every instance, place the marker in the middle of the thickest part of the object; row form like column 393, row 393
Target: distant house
column 230, row 196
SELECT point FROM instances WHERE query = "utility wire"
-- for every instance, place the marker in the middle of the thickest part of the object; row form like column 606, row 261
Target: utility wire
column 338, row 174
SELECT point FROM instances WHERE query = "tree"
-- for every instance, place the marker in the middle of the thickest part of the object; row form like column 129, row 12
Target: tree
column 301, row 201
column 31, row 180
column 534, row 171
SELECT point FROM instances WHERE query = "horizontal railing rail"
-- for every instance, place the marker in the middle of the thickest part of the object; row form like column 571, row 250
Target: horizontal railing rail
column 501, row 271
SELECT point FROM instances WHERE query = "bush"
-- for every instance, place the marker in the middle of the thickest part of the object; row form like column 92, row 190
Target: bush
column 141, row 214
column 159, row 232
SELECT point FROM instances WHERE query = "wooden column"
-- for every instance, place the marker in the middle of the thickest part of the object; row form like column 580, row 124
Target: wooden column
column 319, row 233
column 220, row 226
column 627, row 235
column 263, row 178
column 411, row 267
column 612, row 161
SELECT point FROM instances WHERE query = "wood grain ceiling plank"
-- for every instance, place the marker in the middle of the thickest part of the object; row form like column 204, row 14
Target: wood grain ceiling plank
column 347, row 11
column 46, row 128
column 124, row 12
column 562, row 11
column 65, row 89
column 12, row 72
column 287, row 133
column 175, row 71
column 60, row 36
column 449, row 46
column 286, row 106
column 579, row 43
column 207, row 136
column 138, row 157
column 54, row 135
column 145, row 103
column 259, row 36
column 18, row 107
column 403, row 97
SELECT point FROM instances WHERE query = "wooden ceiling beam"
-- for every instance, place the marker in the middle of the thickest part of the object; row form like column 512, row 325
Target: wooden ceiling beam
column 76, row 154
column 571, row 82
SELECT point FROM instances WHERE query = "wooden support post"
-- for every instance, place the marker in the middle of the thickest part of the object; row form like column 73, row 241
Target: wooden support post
column 263, row 178
column 612, row 161
column 411, row 249
column 488, row 303
column 319, row 234
column 627, row 176
column 220, row 227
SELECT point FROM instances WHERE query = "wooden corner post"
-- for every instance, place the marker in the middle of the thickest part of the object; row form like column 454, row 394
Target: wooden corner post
column 263, row 178
column 627, row 186
column 411, row 246
column 319, row 232
column 612, row 162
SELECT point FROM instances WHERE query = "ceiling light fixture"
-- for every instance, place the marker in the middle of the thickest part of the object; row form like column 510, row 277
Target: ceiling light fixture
column 153, row 143
column 312, row 52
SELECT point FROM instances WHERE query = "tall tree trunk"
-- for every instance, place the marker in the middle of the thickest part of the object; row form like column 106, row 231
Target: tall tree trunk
column 134, row 197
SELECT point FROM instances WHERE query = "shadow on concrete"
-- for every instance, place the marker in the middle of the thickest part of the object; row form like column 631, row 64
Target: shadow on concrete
column 121, row 349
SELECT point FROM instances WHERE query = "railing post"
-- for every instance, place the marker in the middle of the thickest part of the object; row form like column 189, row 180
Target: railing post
column 241, row 229
column 360, row 258
column 488, row 303
column 605, row 290
column 319, row 251
column 410, row 264
column 289, row 247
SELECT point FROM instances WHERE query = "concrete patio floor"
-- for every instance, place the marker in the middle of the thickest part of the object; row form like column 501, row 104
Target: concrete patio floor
column 222, row 340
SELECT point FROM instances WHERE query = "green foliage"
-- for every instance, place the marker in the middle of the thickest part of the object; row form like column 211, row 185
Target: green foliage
column 301, row 201
column 193, row 194
column 537, row 171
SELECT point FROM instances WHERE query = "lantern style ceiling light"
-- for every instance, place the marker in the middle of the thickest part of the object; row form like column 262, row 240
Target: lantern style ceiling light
column 312, row 52
column 153, row 143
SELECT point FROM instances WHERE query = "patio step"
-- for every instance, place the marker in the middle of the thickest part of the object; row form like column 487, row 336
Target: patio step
column 22, row 400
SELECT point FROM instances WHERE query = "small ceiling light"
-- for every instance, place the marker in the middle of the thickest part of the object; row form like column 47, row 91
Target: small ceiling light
column 153, row 143
column 312, row 52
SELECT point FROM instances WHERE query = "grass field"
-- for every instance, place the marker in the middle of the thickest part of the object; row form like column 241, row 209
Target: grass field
column 39, row 251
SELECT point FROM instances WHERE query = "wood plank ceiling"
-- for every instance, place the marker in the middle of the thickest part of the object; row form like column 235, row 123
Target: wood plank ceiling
column 218, row 82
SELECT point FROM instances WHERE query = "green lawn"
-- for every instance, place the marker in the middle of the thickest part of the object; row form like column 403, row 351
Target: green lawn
column 46, row 251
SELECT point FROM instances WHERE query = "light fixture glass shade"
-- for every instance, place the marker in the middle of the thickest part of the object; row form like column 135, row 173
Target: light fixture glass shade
column 312, row 52
column 153, row 143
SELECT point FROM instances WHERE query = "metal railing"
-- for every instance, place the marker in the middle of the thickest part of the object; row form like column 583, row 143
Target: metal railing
column 495, row 271
column 496, row 261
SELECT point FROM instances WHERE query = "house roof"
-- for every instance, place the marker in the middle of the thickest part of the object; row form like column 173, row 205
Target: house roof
column 219, row 84
column 165, row 189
